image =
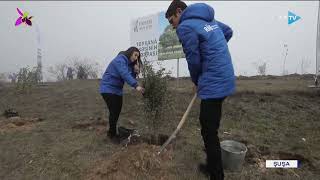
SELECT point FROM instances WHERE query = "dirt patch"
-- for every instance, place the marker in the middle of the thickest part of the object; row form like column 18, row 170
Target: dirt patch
column 18, row 124
column 99, row 126
column 135, row 162
column 304, row 93
column 131, row 137
column 257, row 156
column 294, row 156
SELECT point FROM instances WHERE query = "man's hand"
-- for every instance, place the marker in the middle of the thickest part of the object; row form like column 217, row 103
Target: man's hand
column 140, row 89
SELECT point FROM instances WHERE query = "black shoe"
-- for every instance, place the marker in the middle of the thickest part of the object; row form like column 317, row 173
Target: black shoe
column 115, row 139
column 111, row 134
column 203, row 168
column 217, row 177
column 124, row 133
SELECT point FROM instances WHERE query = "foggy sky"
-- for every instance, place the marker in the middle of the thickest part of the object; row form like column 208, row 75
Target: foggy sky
column 99, row 30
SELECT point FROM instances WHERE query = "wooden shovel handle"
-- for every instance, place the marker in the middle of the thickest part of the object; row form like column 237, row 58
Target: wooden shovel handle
column 183, row 119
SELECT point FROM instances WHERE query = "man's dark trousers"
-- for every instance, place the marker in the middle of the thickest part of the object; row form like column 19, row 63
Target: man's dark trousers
column 210, row 115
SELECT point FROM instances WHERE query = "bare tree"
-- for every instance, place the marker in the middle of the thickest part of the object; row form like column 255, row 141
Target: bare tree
column 261, row 67
column 58, row 71
column 83, row 68
column 3, row 77
column 70, row 73
column 82, row 72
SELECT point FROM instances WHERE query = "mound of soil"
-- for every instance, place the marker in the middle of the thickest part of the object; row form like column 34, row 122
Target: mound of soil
column 17, row 124
column 134, row 162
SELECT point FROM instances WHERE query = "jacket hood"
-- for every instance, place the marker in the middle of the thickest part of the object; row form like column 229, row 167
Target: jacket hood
column 198, row 11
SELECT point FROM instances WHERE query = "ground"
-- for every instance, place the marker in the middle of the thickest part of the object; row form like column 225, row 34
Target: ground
column 61, row 132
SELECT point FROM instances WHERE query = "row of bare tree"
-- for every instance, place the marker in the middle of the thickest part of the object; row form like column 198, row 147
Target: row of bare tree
column 75, row 68
column 71, row 68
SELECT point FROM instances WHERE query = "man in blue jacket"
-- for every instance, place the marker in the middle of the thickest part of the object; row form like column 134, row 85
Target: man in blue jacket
column 123, row 68
column 204, row 41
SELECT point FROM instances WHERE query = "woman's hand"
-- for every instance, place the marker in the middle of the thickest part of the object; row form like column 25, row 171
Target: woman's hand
column 140, row 89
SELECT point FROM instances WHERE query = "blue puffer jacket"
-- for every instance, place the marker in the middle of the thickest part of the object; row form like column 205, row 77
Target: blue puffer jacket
column 204, row 42
column 119, row 70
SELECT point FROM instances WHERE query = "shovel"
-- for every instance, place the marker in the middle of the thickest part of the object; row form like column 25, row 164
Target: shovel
column 183, row 119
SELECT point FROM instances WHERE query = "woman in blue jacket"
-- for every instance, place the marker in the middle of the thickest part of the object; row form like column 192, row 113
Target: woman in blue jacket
column 123, row 68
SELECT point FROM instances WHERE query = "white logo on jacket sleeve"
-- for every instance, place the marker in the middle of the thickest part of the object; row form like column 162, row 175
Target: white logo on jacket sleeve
column 208, row 27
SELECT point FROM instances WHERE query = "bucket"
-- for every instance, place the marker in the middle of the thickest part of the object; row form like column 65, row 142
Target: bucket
column 233, row 154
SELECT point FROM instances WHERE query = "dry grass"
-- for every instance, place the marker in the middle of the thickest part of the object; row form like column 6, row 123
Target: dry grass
column 271, row 116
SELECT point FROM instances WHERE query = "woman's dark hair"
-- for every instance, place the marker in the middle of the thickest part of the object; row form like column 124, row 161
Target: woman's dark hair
column 175, row 4
column 128, row 53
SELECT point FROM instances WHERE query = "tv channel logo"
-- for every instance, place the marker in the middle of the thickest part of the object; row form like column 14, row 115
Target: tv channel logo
column 292, row 18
